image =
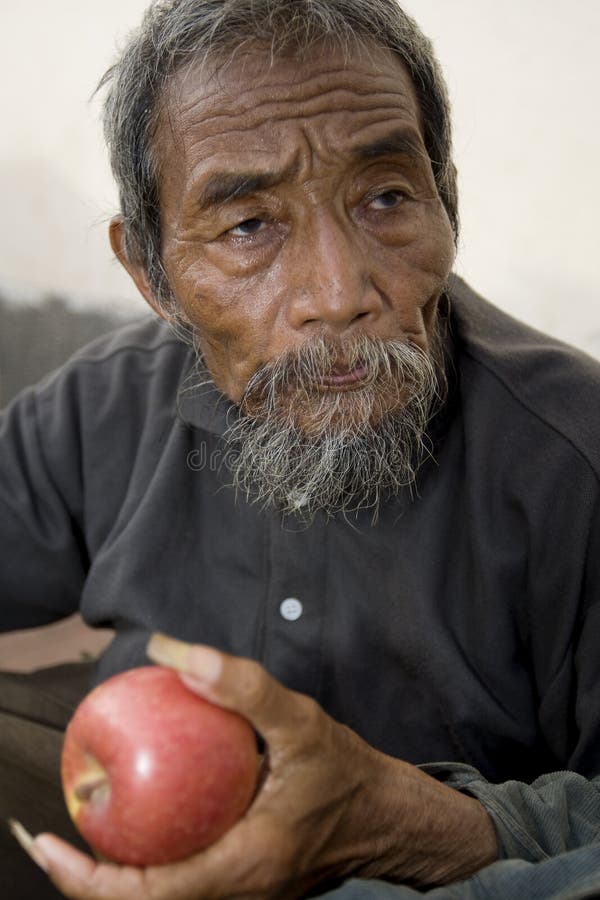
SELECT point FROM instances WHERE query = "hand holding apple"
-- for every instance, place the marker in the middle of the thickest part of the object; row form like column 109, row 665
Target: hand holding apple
column 153, row 773
column 328, row 806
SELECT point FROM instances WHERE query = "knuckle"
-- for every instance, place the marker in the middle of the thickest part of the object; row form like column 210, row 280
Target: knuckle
column 308, row 715
column 254, row 685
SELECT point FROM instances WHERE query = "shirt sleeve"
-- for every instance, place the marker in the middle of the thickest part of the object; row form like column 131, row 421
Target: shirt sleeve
column 42, row 551
column 556, row 813
column 575, row 874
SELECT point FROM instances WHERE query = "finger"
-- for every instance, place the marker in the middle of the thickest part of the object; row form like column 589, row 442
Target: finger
column 238, row 684
column 79, row 877
column 240, row 865
column 250, row 862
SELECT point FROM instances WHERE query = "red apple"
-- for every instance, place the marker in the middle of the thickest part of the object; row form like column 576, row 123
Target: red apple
column 153, row 773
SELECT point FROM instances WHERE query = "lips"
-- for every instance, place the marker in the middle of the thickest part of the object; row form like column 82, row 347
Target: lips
column 342, row 377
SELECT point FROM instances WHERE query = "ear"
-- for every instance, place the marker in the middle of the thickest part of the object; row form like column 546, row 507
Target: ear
column 136, row 271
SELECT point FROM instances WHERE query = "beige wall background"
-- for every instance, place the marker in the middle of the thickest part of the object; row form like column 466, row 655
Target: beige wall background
column 523, row 76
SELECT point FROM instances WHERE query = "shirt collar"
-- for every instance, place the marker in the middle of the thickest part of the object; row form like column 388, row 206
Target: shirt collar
column 202, row 405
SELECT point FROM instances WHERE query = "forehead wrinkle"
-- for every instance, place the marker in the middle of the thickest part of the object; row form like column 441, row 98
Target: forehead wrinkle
column 299, row 117
column 399, row 141
column 309, row 84
column 203, row 120
column 207, row 93
column 284, row 94
column 329, row 102
column 213, row 184
column 309, row 94
column 226, row 127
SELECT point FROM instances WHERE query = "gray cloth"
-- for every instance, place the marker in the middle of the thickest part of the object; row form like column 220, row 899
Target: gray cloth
column 463, row 625
column 557, row 812
column 570, row 876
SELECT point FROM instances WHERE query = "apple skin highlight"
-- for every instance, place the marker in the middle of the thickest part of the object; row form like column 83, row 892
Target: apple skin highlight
column 151, row 772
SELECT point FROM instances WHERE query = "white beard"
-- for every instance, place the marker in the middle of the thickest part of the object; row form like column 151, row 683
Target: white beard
column 301, row 449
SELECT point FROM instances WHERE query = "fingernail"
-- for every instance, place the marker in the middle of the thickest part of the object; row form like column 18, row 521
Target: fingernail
column 28, row 844
column 169, row 652
column 203, row 664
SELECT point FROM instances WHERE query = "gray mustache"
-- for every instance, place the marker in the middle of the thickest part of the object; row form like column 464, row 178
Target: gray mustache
column 392, row 364
column 305, row 451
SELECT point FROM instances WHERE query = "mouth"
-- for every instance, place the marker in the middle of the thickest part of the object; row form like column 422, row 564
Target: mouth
column 342, row 377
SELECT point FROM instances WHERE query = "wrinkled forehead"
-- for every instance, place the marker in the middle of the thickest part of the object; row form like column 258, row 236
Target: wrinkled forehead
column 248, row 95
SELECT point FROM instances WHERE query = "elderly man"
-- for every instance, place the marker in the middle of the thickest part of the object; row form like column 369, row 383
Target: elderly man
column 369, row 498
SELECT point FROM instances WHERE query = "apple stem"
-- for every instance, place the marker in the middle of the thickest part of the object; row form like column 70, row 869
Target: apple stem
column 94, row 790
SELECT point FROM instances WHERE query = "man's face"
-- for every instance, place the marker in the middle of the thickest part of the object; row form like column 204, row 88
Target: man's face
column 304, row 241
column 298, row 201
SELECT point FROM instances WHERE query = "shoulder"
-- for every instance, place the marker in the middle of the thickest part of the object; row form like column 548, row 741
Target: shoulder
column 143, row 357
column 124, row 382
column 149, row 342
column 554, row 387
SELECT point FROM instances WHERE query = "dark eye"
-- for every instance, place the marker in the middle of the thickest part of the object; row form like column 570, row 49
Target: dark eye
column 247, row 228
column 387, row 200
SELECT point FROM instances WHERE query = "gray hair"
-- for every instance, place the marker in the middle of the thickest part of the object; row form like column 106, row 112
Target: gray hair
column 175, row 32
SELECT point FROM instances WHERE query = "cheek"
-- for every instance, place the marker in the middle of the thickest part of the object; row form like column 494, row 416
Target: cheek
column 235, row 318
column 413, row 274
column 214, row 301
column 437, row 249
column 416, row 269
column 431, row 247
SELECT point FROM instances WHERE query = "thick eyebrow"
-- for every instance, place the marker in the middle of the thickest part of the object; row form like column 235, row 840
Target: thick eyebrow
column 223, row 187
column 396, row 143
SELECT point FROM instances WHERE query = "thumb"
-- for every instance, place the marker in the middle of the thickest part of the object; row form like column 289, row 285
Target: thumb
column 237, row 684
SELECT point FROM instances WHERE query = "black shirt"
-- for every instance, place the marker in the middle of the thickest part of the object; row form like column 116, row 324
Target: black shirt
column 464, row 624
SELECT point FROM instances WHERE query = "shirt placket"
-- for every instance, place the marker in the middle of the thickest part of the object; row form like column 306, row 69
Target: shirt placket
column 296, row 601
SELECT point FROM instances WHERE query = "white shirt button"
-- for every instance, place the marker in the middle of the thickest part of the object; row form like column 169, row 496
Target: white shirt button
column 290, row 609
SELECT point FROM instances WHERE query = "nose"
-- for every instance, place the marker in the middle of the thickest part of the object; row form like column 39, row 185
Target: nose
column 335, row 291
